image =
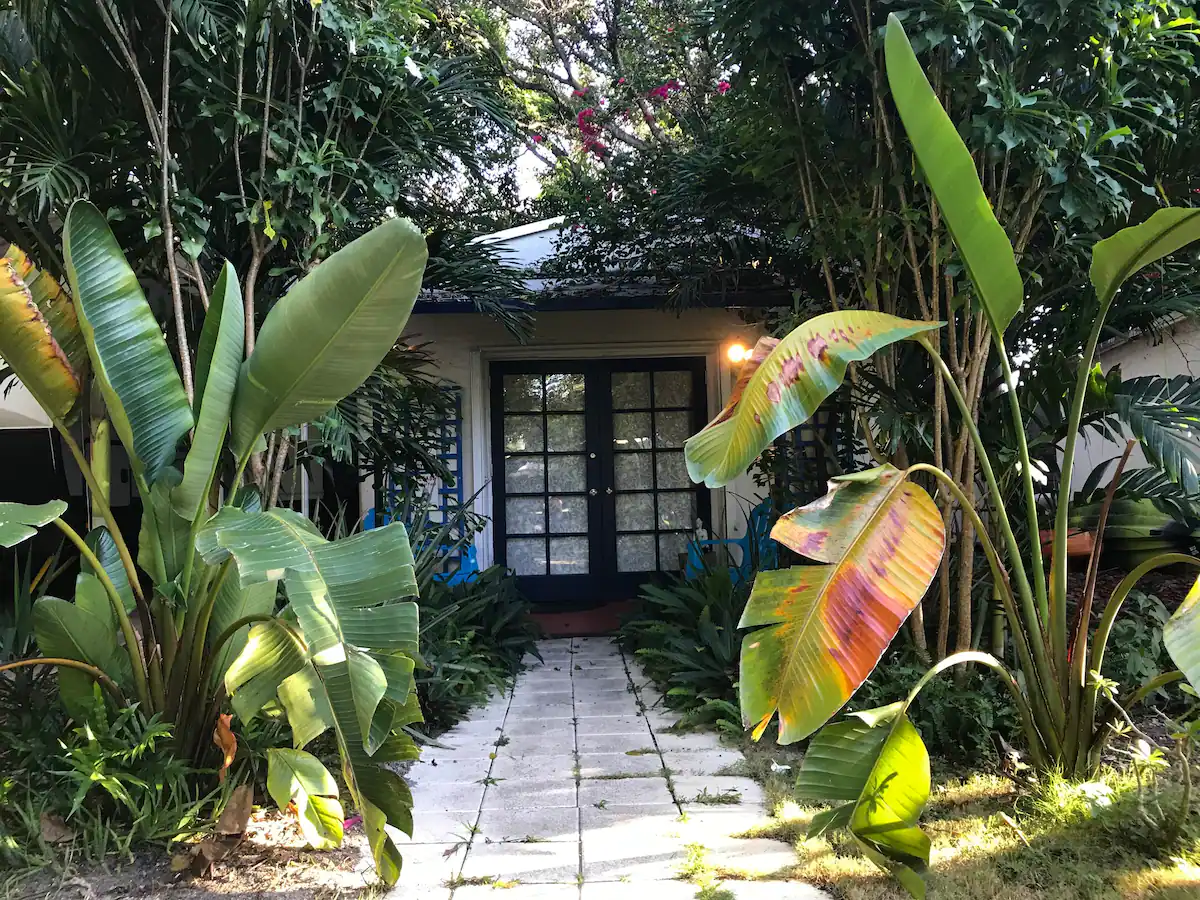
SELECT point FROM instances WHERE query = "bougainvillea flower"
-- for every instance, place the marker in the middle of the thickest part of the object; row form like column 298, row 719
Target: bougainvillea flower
column 723, row 87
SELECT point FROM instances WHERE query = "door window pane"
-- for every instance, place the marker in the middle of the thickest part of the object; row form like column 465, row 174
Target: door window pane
column 670, row 548
column 527, row 556
column 677, row 510
column 523, row 393
column 564, row 433
column 631, row 431
column 635, row 512
column 523, row 434
column 671, row 429
column 671, row 470
column 569, row 556
column 635, row 553
column 672, row 389
column 564, row 392
column 631, row 390
column 525, row 515
column 568, row 514
column 567, row 473
column 632, row 472
column 524, row 475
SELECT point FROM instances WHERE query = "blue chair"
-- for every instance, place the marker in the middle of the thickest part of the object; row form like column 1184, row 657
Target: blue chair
column 468, row 562
column 756, row 547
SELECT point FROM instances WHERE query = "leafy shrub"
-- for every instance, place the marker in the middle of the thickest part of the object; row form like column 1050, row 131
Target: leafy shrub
column 474, row 636
column 1135, row 648
column 685, row 635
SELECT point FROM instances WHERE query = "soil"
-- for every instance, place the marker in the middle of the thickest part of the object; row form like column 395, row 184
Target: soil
column 1170, row 585
column 269, row 862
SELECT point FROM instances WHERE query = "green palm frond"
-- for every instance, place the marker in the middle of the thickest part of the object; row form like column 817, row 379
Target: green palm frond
column 1164, row 415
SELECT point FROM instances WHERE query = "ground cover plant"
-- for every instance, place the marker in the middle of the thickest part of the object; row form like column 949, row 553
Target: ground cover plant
column 879, row 537
column 195, row 618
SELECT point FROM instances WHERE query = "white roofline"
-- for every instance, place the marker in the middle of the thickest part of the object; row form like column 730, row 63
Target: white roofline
column 497, row 237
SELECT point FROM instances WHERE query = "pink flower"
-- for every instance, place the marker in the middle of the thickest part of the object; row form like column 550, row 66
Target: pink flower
column 660, row 92
column 579, row 93
column 537, row 138
column 621, row 80
column 723, row 87
column 653, row 190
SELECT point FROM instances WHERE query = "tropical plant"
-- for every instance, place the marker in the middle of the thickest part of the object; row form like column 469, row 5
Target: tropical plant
column 340, row 655
column 878, row 537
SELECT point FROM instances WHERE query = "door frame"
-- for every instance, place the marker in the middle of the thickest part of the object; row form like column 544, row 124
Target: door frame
column 604, row 582
column 720, row 378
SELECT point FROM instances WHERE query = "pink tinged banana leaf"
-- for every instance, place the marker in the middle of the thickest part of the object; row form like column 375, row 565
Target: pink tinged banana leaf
column 873, row 769
column 28, row 346
column 784, row 382
column 129, row 354
column 1115, row 258
column 328, row 333
column 56, row 306
column 880, row 538
column 1181, row 636
column 948, row 167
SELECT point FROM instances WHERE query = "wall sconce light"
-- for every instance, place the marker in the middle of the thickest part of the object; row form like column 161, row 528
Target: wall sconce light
column 737, row 353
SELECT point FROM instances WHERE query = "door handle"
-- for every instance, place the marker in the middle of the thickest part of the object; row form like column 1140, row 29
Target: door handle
column 592, row 492
column 608, row 490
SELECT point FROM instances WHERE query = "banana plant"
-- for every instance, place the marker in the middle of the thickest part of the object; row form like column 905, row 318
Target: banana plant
column 876, row 539
column 195, row 619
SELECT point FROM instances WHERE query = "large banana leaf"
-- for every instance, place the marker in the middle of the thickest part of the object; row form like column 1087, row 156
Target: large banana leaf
column 105, row 548
column 948, row 167
column 881, row 538
column 19, row 521
column 235, row 602
column 294, row 776
column 328, row 333
column 784, row 382
column 1114, row 259
column 1164, row 415
column 27, row 345
column 218, row 359
column 86, row 632
column 876, row 769
column 1181, row 636
column 348, row 601
column 56, row 306
column 137, row 375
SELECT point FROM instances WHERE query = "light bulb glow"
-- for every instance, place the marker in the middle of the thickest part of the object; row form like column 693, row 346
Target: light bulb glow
column 737, row 353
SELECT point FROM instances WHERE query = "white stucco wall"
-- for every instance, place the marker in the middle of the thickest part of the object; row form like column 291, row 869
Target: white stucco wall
column 1175, row 352
column 465, row 344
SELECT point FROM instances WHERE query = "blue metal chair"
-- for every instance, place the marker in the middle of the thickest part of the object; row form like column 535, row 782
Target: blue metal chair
column 757, row 548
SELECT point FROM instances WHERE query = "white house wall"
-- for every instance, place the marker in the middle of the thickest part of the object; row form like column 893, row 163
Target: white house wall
column 1176, row 352
column 465, row 344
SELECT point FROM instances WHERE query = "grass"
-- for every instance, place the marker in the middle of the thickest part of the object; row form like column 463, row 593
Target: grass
column 730, row 797
column 621, row 776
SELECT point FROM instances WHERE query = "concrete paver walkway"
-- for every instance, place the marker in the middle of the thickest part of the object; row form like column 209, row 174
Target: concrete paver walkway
column 569, row 788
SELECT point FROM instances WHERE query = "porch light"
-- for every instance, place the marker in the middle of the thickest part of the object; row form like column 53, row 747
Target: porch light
column 737, row 352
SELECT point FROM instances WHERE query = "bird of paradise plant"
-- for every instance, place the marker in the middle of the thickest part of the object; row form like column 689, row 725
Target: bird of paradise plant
column 877, row 537
column 194, row 619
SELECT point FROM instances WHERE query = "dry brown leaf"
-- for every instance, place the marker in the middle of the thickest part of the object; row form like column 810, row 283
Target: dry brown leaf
column 55, row 830
column 226, row 743
column 237, row 812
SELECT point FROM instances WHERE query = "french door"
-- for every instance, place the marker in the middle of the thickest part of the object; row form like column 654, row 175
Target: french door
column 591, row 495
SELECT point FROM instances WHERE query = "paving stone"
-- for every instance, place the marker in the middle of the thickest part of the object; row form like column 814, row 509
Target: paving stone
column 688, row 742
column 511, row 824
column 536, row 699
column 751, row 857
column 708, row 762
column 600, row 679
column 589, row 725
column 525, row 726
column 624, row 791
column 592, row 765
column 442, row 771
column 536, row 863
column 447, row 796
column 618, row 706
column 643, row 890
column 519, row 892
column 717, row 824
column 427, row 866
column 530, row 793
column 773, row 890
column 557, row 744
column 508, row 767
column 689, row 787
column 621, row 845
column 616, row 743
column 433, row 826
